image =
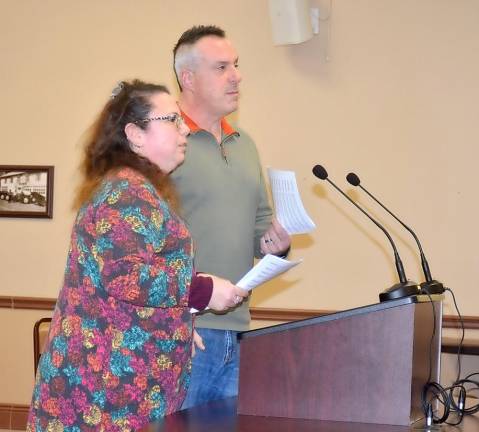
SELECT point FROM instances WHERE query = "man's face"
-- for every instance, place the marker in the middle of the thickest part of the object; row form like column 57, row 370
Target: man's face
column 215, row 80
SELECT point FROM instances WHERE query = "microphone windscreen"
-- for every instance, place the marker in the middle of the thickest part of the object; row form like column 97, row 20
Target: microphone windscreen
column 320, row 172
column 353, row 179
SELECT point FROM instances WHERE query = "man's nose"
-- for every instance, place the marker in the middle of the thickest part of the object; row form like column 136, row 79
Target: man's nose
column 236, row 75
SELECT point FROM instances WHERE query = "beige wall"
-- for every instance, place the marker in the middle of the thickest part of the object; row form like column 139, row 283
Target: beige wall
column 16, row 360
column 396, row 102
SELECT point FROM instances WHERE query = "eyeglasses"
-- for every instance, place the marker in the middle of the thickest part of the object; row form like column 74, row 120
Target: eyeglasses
column 172, row 118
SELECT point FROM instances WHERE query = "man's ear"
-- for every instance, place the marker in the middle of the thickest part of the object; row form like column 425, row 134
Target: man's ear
column 187, row 79
column 134, row 134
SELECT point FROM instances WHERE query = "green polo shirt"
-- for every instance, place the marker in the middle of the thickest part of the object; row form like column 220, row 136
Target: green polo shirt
column 224, row 202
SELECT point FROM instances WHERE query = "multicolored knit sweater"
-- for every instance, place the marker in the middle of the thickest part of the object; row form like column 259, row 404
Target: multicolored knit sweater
column 119, row 347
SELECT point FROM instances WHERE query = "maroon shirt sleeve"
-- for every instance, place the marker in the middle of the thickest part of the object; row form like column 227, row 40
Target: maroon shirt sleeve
column 200, row 292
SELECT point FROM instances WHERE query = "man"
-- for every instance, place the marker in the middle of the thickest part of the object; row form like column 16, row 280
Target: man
column 223, row 198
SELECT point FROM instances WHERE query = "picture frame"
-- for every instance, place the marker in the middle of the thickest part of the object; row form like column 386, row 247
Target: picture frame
column 26, row 191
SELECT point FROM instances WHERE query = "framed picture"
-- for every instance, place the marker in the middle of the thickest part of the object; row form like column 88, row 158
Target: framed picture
column 26, row 191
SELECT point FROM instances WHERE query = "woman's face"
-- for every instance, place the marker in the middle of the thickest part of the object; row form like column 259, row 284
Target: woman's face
column 163, row 141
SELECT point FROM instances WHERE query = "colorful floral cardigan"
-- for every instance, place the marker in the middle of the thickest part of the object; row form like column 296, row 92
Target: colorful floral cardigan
column 119, row 346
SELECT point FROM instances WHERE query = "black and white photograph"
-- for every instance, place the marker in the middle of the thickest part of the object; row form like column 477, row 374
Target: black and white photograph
column 26, row 191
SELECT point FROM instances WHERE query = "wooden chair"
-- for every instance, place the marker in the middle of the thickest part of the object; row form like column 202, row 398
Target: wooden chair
column 40, row 333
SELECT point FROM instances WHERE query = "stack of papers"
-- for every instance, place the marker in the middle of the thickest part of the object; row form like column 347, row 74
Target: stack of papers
column 288, row 206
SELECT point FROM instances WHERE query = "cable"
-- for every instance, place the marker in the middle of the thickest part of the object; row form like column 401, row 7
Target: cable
column 431, row 342
column 467, row 380
column 438, row 393
column 453, row 398
column 463, row 382
column 459, row 348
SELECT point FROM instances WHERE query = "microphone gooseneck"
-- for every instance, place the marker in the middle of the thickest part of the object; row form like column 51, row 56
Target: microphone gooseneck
column 404, row 288
column 430, row 286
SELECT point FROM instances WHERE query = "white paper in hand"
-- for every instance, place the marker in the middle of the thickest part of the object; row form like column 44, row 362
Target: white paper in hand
column 267, row 268
column 288, row 206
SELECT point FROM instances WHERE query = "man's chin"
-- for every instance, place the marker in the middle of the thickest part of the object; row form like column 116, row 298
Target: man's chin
column 232, row 107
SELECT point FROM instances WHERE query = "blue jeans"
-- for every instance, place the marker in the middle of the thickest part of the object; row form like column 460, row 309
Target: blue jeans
column 214, row 373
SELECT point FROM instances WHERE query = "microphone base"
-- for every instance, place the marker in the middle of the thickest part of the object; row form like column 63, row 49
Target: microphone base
column 433, row 287
column 400, row 290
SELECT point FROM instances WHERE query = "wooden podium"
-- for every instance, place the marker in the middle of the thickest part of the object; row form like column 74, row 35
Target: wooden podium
column 363, row 365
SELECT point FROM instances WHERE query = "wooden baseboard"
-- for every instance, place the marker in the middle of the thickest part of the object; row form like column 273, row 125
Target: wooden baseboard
column 13, row 416
column 268, row 314
column 37, row 303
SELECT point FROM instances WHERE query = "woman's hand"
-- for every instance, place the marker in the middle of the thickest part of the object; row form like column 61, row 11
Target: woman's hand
column 225, row 295
column 197, row 342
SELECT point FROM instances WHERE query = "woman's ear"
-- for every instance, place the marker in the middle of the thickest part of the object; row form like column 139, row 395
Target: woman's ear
column 134, row 135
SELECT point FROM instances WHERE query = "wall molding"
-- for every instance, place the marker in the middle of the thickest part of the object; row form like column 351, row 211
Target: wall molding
column 13, row 416
column 257, row 313
column 37, row 303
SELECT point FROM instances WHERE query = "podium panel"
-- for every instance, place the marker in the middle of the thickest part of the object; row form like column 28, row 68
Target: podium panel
column 363, row 365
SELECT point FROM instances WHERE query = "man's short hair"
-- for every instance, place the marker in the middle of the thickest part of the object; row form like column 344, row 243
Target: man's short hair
column 182, row 53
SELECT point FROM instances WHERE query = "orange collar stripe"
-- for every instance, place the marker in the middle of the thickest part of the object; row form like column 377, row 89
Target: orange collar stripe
column 225, row 126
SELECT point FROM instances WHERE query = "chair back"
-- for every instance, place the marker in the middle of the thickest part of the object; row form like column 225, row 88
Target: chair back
column 40, row 334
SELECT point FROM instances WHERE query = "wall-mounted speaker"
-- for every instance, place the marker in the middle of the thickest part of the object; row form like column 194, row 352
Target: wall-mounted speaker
column 290, row 21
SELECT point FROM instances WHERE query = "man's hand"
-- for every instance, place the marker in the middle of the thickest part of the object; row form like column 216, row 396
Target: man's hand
column 276, row 240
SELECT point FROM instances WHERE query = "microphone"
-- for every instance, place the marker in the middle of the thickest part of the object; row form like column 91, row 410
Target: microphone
column 404, row 288
column 430, row 285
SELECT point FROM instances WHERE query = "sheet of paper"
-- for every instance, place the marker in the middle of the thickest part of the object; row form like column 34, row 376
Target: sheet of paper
column 288, row 206
column 267, row 268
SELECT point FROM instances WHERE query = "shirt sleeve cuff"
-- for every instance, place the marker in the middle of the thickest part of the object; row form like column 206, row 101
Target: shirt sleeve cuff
column 285, row 253
column 200, row 292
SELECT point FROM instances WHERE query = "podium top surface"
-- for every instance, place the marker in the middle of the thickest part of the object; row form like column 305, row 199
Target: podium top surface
column 221, row 416
column 340, row 315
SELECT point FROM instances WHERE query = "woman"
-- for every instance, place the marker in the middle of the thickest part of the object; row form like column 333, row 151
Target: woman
column 119, row 347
